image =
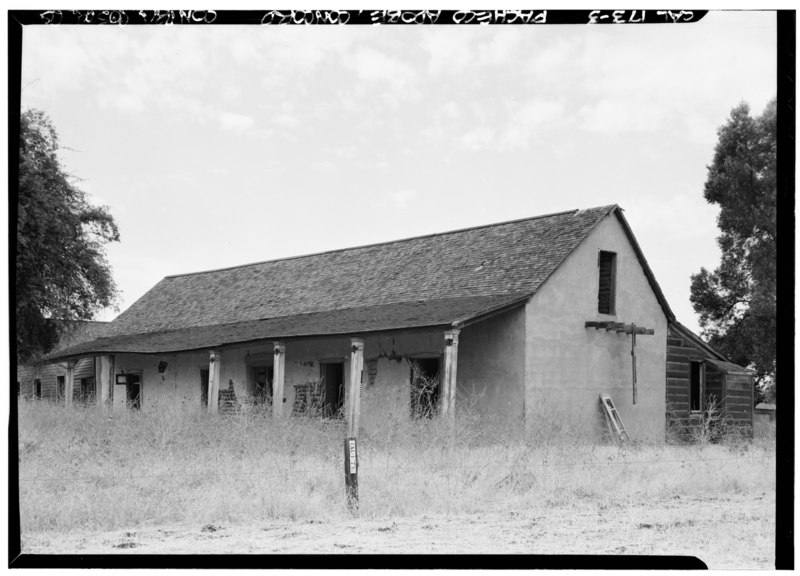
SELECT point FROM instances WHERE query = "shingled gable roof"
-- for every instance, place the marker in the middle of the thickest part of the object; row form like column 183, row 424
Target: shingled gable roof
column 445, row 279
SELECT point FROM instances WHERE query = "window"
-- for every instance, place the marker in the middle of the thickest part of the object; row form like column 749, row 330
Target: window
column 607, row 262
column 37, row 388
column 696, row 384
column 424, row 387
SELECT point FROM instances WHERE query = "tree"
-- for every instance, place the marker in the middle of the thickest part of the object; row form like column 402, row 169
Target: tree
column 61, row 271
column 736, row 302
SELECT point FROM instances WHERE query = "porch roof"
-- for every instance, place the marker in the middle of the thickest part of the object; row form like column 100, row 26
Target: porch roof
column 442, row 313
column 729, row 367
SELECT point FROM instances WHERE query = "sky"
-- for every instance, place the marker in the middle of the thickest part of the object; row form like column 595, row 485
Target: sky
column 218, row 146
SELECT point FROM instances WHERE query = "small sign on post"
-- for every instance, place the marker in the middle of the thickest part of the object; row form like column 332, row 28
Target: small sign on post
column 351, row 472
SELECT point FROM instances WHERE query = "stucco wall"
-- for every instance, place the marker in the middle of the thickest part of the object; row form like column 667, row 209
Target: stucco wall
column 388, row 393
column 489, row 372
column 567, row 365
column 491, row 365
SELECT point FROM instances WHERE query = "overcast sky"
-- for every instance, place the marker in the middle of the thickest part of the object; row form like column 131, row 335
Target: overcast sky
column 217, row 146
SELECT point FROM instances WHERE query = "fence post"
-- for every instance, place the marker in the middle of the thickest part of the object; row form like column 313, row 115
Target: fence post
column 353, row 413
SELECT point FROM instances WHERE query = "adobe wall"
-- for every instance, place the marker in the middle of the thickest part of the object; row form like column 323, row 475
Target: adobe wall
column 491, row 366
column 490, row 369
column 386, row 392
column 567, row 366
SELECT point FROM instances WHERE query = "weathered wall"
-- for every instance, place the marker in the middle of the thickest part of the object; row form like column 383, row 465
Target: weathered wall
column 567, row 366
column 490, row 369
column 389, row 393
column 49, row 373
column 491, row 365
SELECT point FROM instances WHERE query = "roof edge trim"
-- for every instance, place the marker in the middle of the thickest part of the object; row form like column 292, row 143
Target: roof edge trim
column 490, row 312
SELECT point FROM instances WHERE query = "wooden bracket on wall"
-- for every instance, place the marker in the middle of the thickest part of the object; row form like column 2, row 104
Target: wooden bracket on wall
column 621, row 327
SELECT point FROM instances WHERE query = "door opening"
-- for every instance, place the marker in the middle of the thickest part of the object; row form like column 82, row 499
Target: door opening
column 262, row 384
column 424, row 387
column 333, row 374
column 133, row 391
column 204, row 386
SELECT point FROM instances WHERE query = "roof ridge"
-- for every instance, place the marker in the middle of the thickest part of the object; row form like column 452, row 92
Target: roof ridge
column 410, row 238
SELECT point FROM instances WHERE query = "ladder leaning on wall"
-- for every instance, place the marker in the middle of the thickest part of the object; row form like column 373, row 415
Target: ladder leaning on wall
column 615, row 426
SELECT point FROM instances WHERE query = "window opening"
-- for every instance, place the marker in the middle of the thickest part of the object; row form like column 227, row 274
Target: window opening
column 607, row 262
column 696, row 387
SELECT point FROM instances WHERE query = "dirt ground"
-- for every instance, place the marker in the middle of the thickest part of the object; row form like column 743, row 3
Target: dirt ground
column 733, row 532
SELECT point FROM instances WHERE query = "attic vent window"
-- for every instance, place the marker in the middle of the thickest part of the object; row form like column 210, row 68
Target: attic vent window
column 607, row 262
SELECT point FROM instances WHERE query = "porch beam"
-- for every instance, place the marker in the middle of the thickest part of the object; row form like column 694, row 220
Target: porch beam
column 278, row 371
column 354, row 393
column 619, row 327
column 214, row 359
column 448, row 396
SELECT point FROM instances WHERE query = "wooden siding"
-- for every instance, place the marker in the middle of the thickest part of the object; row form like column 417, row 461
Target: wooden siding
column 733, row 392
column 48, row 375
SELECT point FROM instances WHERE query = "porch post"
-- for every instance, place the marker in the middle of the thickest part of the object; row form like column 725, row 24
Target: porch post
column 354, row 393
column 278, row 371
column 448, row 393
column 104, row 376
column 69, row 380
column 214, row 359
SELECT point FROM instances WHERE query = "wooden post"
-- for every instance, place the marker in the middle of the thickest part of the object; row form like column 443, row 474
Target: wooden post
column 450, row 375
column 354, row 393
column 444, row 384
column 278, row 370
column 214, row 359
column 353, row 414
column 69, row 382
column 104, row 378
column 633, row 359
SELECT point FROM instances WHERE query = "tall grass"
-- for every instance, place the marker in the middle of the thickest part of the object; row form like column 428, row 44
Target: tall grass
column 87, row 468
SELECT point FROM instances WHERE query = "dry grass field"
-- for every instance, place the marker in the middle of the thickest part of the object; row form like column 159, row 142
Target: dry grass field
column 179, row 481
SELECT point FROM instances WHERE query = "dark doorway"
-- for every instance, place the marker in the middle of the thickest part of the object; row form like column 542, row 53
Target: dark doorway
column 333, row 374
column 37, row 388
column 424, row 387
column 204, row 386
column 262, row 384
column 87, row 389
column 134, row 391
column 696, row 387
